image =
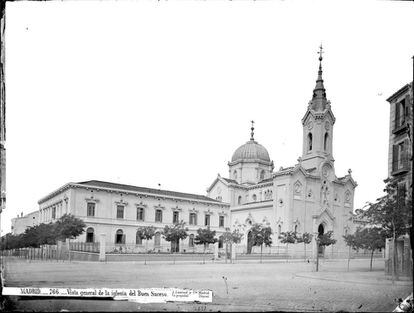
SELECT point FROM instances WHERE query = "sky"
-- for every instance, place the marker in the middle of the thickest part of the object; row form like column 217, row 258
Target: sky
column 163, row 92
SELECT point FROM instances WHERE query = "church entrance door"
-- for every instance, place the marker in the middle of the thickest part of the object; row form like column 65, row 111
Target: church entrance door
column 249, row 242
column 321, row 249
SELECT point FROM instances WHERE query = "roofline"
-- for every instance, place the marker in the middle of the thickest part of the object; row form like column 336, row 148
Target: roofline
column 75, row 185
column 218, row 178
column 55, row 192
column 399, row 92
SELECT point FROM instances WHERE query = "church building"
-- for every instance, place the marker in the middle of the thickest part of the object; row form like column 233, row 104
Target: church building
column 306, row 197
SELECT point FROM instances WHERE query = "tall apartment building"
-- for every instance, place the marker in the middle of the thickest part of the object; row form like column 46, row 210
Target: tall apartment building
column 400, row 137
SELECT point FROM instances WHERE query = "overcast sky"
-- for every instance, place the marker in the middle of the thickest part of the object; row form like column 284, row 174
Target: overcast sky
column 147, row 92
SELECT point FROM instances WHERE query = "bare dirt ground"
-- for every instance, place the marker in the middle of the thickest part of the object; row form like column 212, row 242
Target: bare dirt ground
column 270, row 286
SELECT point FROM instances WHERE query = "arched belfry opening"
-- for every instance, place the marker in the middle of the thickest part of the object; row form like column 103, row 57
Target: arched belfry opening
column 325, row 142
column 309, row 142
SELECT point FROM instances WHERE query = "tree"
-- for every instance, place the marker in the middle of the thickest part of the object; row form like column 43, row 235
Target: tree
column 205, row 237
column 306, row 238
column 147, row 233
column 10, row 241
column 69, row 226
column 66, row 226
column 231, row 237
column 287, row 238
column 174, row 233
column 42, row 234
column 261, row 235
column 392, row 213
column 367, row 238
column 323, row 240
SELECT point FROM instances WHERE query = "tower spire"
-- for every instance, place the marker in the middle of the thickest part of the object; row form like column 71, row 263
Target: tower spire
column 252, row 131
column 319, row 101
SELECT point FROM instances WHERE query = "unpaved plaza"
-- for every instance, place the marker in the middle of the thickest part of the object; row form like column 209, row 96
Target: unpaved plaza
column 270, row 286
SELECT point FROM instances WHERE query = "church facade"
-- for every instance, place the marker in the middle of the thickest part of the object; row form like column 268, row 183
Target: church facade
column 307, row 197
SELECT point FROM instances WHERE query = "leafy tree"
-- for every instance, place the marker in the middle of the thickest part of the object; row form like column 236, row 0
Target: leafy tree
column 205, row 237
column 231, row 237
column 10, row 241
column 174, row 233
column 323, row 240
column 326, row 239
column 288, row 237
column 392, row 213
column 42, row 234
column 367, row 238
column 261, row 235
column 147, row 233
column 68, row 226
column 306, row 238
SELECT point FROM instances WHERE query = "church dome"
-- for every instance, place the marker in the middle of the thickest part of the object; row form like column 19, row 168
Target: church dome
column 251, row 151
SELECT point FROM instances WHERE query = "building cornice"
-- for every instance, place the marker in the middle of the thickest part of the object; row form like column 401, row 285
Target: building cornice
column 399, row 93
column 126, row 192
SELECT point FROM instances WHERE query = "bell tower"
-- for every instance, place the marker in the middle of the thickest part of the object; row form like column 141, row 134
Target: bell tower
column 317, row 126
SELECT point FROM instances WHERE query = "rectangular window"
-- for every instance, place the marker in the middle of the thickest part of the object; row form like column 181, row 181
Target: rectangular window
column 191, row 241
column 158, row 216
column 119, row 211
column 401, row 113
column 175, row 217
column 193, row 219
column 400, row 156
column 90, row 209
column 401, row 153
column 221, row 221
column 140, row 214
column 207, row 220
column 54, row 212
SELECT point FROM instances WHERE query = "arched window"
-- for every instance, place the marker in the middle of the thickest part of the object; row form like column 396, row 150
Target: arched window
column 90, row 235
column 119, row 237
column 279, row 229
column 325, row 142
column 157, row 239
column 254, row 197
column 235, row 175
column 239, row 200
column 220, row 243
column 262, row 175
column 138, row 238
column 296, row 228
column 310, row 142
